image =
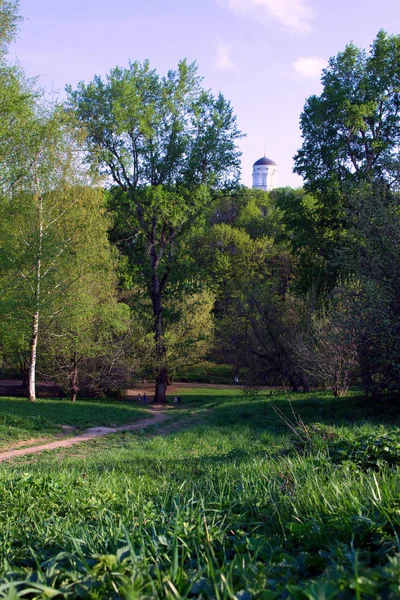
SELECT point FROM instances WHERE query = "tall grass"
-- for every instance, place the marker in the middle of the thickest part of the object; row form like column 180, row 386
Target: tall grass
column 231, row 508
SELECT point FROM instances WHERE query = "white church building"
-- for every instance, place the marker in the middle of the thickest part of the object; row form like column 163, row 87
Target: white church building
column 265, row 174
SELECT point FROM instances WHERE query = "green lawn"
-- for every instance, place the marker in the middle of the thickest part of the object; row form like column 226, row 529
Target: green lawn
column 21, row 419
column 235, row 506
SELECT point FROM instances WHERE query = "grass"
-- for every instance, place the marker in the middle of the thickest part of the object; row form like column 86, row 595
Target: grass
column 21, row 419
column 236, row 506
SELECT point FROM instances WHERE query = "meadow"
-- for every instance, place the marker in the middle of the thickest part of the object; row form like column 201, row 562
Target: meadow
column 46, row 418
column 226, row 501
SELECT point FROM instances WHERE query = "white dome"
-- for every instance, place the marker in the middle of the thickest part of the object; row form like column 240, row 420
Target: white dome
column 265, row 174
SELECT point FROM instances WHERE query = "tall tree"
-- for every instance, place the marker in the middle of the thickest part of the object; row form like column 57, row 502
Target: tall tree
column 168, row 145
column 17, row 105
column 351, row 137
column 350, row 161
column 45, row 231
column 9, row 18
column 373, row 255
column 351, row 131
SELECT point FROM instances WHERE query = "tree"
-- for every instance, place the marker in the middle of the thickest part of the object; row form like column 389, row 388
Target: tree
column 351, row 136
column 48, row 230
column 372, row 254
column 257, row 334
column 350, row 161
column 17, row 105
column 167, row 144
column 327, row 349
column 352, row 130
column 188, row 334
column 9, row 19
column 250, row 209
column 84, row 347
column 256, row 319
column 232, row 260
column 312, row 238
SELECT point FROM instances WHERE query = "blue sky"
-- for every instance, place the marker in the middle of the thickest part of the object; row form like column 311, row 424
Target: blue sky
column 265, row 56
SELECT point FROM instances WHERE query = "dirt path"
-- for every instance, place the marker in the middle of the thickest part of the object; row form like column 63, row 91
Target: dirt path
column 160, row 415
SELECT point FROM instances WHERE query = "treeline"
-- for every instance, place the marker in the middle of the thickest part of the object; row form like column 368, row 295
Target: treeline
column 328, row 312
column 128, row 249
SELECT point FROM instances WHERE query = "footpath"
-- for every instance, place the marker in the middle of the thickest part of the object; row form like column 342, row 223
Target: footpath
column 159, row 415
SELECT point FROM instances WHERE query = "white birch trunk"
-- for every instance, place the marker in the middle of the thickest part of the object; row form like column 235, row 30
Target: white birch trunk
column 32, row 362
column 35, row 319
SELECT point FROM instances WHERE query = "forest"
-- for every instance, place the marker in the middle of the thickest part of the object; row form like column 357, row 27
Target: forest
column 132, row 259
column 129, row 250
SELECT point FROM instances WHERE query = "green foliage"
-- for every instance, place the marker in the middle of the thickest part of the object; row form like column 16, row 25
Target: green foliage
column 233, row 260
column 258, row 332
column 375, row 451
column 9, row 18
column 180, row 133
column 326, row 348
column 250, row 272
column 251, row 210
column 57, row 265
column 313, row 236
column 18, row 98
column 351, row 132
column 189, row 333
column 83, row 347
column 168, row 145
column 373, row 255
column 350, row 139
column 206, row 372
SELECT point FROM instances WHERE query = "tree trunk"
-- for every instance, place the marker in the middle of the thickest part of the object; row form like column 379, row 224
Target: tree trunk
column 364, row 360
column 35, row 319
column 74, row 387
column 24, row 369
column 161, row 371
column 32, row 362
column 305, row 384
column 294, row 383
column 161, row 387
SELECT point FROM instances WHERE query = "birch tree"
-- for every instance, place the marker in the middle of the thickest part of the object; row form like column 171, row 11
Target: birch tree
column 45, row 232
column 85, row 345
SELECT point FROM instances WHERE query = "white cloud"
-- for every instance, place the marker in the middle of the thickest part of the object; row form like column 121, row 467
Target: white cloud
column 309, row 67
column 295, row 15
column 222, row 58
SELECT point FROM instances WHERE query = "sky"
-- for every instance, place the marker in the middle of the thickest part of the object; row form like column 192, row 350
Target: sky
column 265, row 56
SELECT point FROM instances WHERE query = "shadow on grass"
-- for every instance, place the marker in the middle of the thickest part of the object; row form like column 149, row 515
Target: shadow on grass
column 181, row 469
column 232, row 430
column 210, row 407
column 322, row 407
column 46, row 415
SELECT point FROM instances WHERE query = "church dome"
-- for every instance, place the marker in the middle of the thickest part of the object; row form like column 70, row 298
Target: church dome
column 264, row 161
